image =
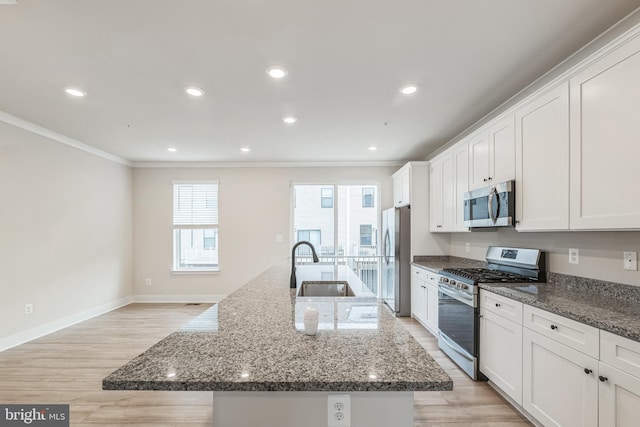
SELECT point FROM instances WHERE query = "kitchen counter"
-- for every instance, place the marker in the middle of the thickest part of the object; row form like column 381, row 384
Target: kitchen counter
column 252, row 341
column 440, row 262
column 608, row 306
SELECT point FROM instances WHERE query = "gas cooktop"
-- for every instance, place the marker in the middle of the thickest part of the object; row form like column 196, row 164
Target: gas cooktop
column 485, row 275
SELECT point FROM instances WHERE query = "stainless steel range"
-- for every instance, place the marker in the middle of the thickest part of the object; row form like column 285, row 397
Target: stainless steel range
column 458, row 303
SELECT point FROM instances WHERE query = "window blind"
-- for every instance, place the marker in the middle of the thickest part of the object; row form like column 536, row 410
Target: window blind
column 195, row 205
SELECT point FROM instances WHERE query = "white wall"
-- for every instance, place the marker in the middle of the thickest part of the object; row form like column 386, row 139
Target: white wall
column 600, row 251
column 65, row 231
column 254, row 208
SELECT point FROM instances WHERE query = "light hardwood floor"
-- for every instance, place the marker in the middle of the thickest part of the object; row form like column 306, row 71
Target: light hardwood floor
column 68, row 366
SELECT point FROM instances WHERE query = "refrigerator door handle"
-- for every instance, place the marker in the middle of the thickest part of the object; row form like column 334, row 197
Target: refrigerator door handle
column 387, row 244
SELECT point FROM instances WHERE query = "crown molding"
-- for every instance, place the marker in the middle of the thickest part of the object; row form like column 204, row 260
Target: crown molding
column 54, row 136
column 265, row 164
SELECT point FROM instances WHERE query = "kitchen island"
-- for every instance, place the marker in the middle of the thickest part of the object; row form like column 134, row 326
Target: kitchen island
column 251, row 351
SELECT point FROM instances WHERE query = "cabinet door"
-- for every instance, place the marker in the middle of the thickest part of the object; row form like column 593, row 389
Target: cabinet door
column 605, row 149
column 432, row 309
column 542, row 162
column 557, row 390
column 418, row 290
column 478, row 160
column 501, row 353
column 402, row 187
column 460, row 185
column 436, row 197
column 502, row 150
column 619, row 397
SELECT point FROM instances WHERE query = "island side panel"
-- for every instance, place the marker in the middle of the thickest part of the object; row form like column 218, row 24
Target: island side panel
column 309, row 409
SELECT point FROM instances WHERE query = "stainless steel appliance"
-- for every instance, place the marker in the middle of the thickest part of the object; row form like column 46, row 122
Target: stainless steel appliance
column 458, row 303
column 396, row 260
column 492, row 206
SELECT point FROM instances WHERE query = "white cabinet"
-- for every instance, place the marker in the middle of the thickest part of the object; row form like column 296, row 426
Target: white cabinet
column 418, row 295
column 605, row 148
column 460, row 184
column 424, row 298
column 492, row 153
column 449, row 180
column 501, row 343
column 402, row 187
column 441, row 196
column 619, row 374
column 560, row 384
column 542, row 159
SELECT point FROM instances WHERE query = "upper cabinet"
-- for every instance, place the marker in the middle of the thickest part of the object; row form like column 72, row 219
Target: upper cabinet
column 492, row 153
column 441, row 195
column 542, row 166
column 402, row 187
column 605, row 141
column 449, row 181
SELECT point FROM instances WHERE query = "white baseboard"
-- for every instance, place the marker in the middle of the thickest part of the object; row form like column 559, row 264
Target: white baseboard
column 178, row 298
column 39, row 331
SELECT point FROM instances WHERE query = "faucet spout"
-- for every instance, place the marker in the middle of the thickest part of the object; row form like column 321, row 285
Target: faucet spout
column 292, row 281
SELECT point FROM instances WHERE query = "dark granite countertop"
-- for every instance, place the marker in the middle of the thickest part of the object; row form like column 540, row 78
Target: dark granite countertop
column 251, row 341
column 440, row 262
column 609, row 306
column 614, row 308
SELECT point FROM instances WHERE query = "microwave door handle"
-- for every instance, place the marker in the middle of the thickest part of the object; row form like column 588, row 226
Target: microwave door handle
column 492, row 215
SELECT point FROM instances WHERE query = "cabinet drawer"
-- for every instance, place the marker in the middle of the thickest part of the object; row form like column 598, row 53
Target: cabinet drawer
column 429, row 277
column 621, row 353
column 502, row 306
column 574, row 334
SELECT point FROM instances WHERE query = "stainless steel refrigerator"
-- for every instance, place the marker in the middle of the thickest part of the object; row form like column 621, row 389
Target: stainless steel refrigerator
column 396, row 260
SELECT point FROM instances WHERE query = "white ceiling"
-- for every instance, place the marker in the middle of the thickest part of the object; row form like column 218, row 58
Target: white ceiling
column 346, row 61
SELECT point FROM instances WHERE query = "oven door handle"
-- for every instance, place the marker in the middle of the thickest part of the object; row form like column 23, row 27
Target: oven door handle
column 454, row 346
column 462, row 297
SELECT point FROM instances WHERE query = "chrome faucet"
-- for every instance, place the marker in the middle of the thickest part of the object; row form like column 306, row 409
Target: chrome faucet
column 292, row 282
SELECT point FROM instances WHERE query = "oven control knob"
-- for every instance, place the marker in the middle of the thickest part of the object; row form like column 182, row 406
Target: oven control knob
column 452, row 282
column 444, row 280
column 463, row 286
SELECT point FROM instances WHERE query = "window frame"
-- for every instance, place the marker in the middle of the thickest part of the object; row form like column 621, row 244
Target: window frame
column 372, row 197
column 323, row 198
column 178, row 228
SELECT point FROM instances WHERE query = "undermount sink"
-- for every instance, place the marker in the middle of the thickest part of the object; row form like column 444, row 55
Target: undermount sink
column 325, row 288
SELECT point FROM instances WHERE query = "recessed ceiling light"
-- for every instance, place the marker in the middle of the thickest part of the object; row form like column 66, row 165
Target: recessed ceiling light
column 289, row 120
column 372, row 148
column 194, row 91
column 245, row 149
column 172, row 150
column 277, row 72
column 75, row 92
column 409, row 90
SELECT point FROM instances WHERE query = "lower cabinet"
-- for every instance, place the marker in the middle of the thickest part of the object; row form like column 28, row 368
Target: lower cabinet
column 424, row 298
column 561, row 372
column 619, row 397
column 501, row 353
column 560, row 384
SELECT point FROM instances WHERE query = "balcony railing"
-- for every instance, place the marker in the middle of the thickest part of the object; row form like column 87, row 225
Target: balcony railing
column 366, row 267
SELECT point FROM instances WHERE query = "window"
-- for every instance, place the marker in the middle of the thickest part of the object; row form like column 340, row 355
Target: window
column 367, row 197
column 195, row 226
column 326, row 197
column 365, row 234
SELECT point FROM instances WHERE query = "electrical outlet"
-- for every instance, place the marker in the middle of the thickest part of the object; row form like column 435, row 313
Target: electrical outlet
column 279, row 238
column 339, row 410
column 574, row 256
column 630, row 261
column 28, row 308
column 147, row 282
column 467, row 247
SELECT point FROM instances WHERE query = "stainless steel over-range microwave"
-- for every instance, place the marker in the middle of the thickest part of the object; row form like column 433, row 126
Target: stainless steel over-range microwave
column 492, row 206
